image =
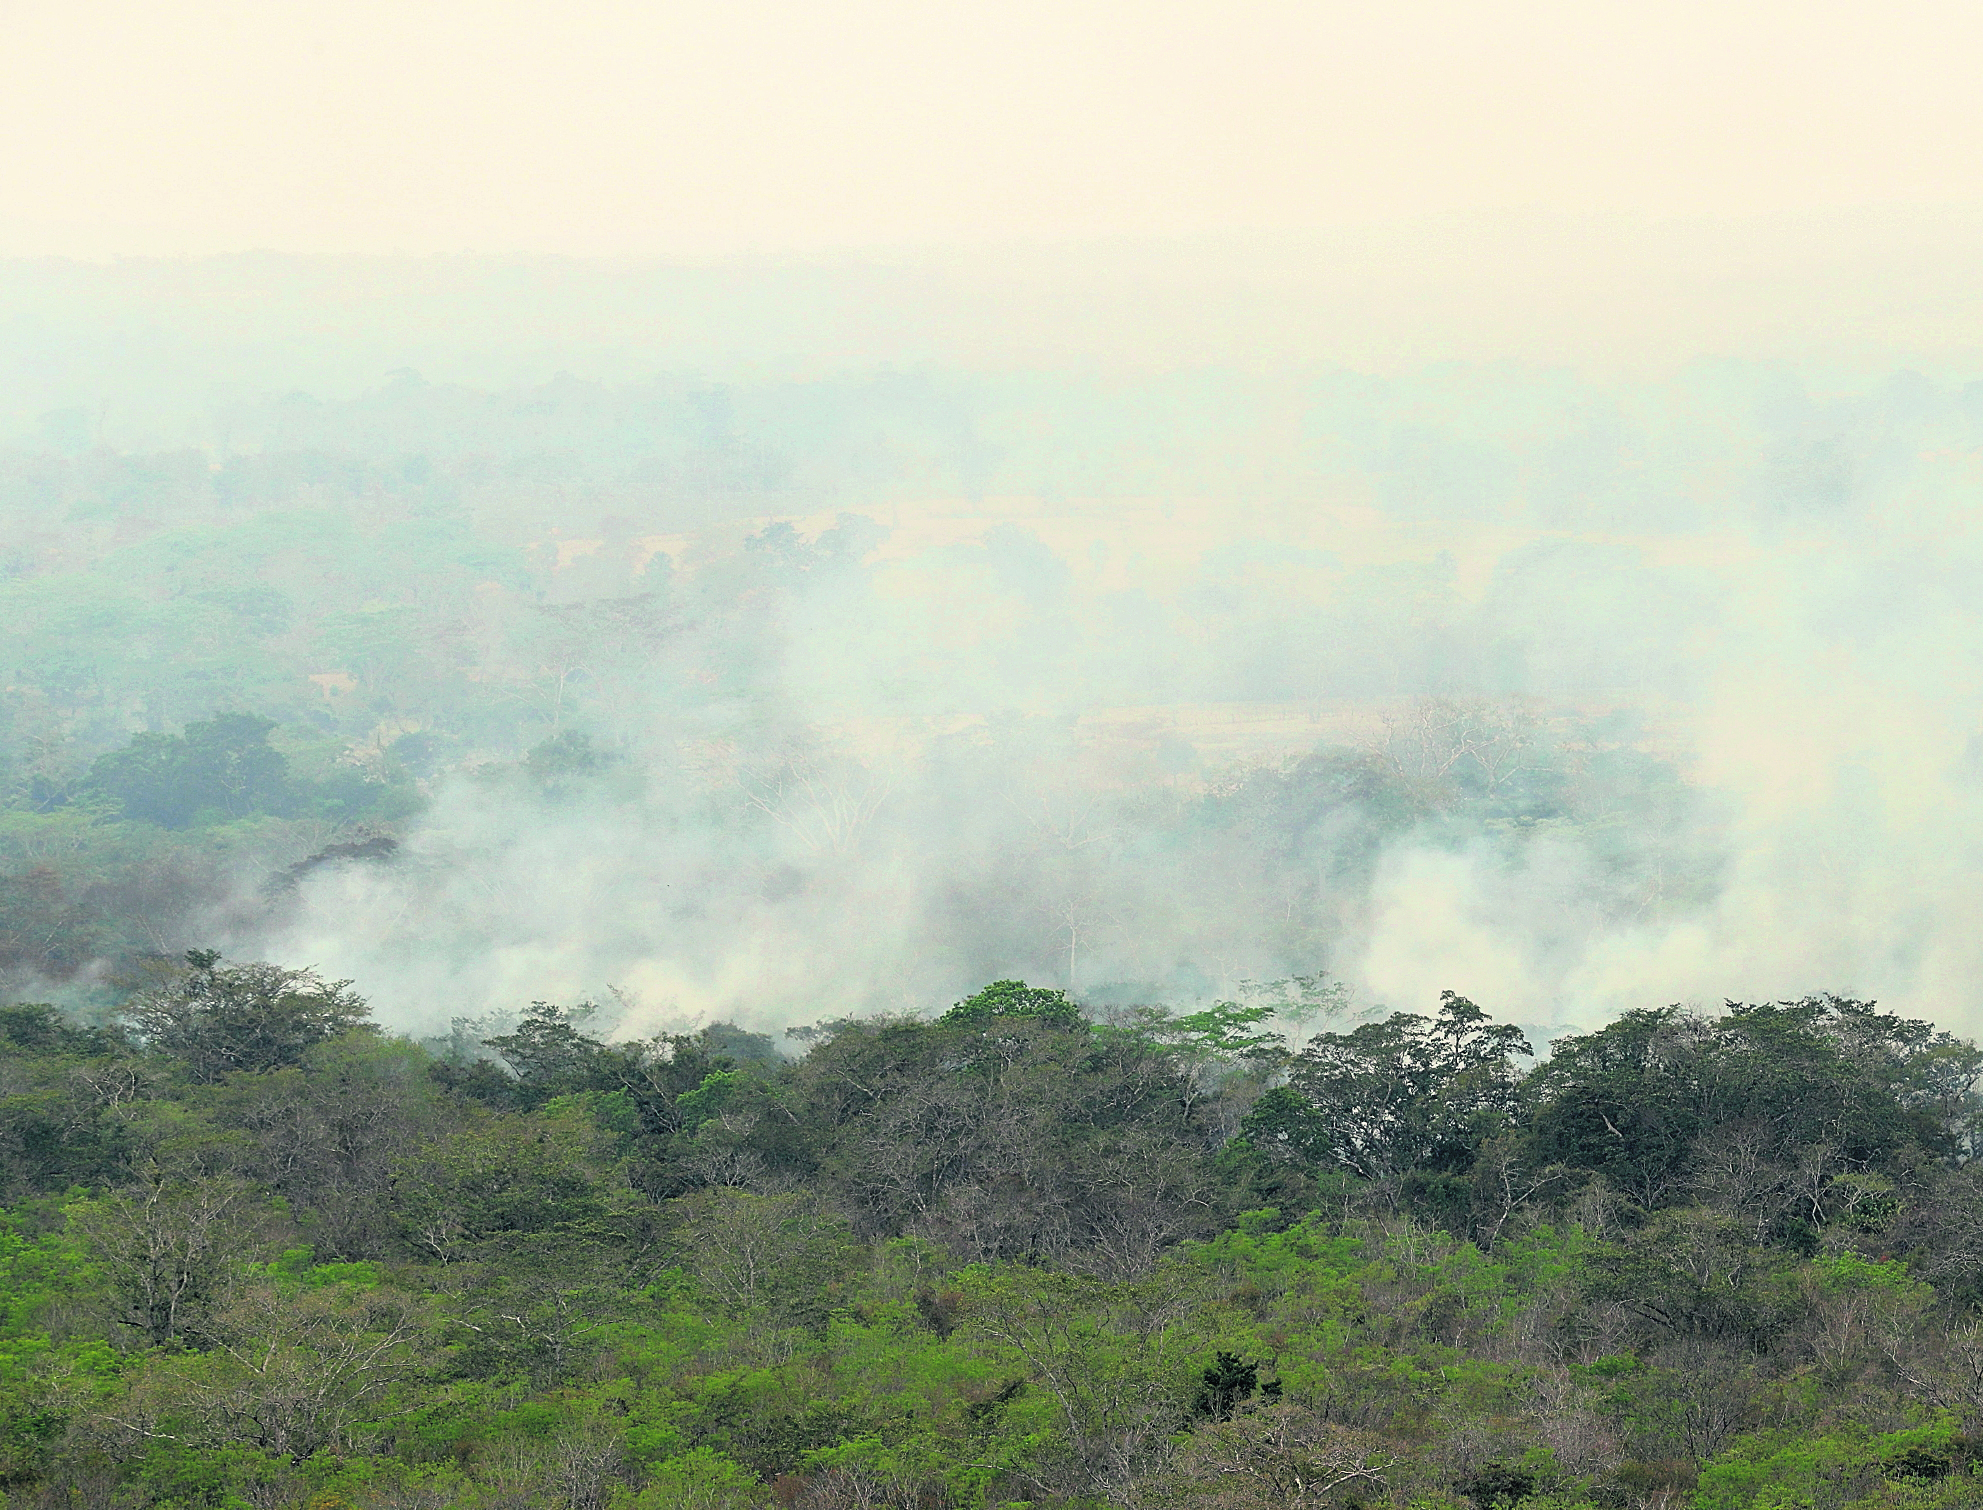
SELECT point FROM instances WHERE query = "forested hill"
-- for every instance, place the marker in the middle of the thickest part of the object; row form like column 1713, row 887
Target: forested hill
column 259, row 1253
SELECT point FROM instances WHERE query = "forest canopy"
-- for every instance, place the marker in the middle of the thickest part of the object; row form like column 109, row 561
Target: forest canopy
column 258, row 1251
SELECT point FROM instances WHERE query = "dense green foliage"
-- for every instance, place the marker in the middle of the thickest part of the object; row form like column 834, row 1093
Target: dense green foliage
column 260, row 1254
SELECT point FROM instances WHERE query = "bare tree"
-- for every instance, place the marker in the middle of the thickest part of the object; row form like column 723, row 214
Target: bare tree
column 1266, row 1458
column 825, row 803
column 169, row 1248
column 291, row 1374
column 1436, row 742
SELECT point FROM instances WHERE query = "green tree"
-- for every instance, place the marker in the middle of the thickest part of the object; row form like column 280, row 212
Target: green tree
column 1408, row 1093
column 53, row 1131
column 329, row 1131
column 1772, row 1105
column 1004, row 999
column 217, row 1018
column 549, row 1053
column 1008, row 1127
column 224, row 766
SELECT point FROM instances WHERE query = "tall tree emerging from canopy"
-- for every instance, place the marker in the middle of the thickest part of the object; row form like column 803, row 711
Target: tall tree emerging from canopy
column 1014, row 998
column 1407, row 1093
column 217, row 1018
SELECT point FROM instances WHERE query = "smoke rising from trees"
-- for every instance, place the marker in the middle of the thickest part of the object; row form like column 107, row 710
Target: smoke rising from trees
column 777, row 698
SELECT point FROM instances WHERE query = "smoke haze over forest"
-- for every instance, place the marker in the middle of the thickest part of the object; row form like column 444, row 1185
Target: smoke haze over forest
column 794, row 688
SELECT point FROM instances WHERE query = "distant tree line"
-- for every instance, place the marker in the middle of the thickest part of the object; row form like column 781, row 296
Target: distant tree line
column 216, row 770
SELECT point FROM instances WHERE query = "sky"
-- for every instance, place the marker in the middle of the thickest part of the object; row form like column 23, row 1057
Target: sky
column 609, row 128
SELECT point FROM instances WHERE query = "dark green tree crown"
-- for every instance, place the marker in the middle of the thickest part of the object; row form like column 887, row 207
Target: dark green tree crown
column 216, row 1018
column 1014, row 998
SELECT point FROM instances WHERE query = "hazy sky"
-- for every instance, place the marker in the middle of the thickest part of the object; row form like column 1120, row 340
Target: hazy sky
column 131, row 127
